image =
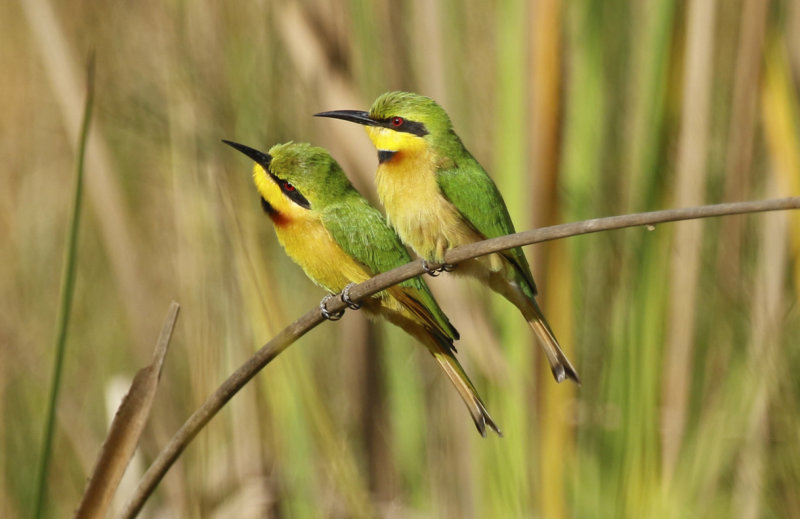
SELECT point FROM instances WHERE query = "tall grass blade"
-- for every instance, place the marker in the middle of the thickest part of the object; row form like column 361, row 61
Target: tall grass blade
column 741, row 136
column 692, row 172
column 781, row 120
column 764, row 349
column 66, row 295
column 555, row 432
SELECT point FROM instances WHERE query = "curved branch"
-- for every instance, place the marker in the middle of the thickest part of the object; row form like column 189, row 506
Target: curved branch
column 382, row 281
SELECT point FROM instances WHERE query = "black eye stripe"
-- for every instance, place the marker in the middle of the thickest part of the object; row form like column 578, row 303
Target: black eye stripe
column 291, row 192
column 412, row 127
column 298, row 199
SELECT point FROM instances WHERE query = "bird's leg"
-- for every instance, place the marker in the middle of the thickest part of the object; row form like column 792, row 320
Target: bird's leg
column 324, row 309
column 346, row 297
column 444, row 267
column 428, row 270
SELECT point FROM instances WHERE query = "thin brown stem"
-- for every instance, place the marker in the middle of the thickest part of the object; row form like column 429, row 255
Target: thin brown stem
column 300, row 327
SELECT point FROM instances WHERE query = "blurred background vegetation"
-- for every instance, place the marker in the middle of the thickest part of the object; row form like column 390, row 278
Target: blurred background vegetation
column 686, row 336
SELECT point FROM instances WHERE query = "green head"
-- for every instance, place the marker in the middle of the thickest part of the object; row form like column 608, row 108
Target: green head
column 402, row 121
column 295, row 178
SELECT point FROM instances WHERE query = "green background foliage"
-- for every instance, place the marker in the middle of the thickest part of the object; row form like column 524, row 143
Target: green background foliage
column 686, row 336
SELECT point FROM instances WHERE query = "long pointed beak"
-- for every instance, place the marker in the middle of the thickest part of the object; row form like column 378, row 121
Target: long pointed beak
column 261, row 158
column 354, row 116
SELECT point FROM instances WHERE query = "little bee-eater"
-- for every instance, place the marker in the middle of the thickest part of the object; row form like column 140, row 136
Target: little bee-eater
column 338, row 239
column 437, row 196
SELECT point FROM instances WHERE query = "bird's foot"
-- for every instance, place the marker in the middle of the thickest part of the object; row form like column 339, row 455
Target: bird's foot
column 323, row 308
column 433, row 272
column 346, row 297
column 428, row 270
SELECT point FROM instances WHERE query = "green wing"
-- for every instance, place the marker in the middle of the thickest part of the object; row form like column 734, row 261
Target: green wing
column 362, row 232
column 470, row 189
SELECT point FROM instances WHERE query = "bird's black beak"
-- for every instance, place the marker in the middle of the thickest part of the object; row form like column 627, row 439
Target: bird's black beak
column 354, row 116
column 261, row 158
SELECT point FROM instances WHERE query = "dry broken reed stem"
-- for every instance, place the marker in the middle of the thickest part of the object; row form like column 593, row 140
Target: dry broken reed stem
column 300, row 327
column 126, row 429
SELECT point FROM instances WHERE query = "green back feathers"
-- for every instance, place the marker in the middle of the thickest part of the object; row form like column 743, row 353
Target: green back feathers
column 363, row 233
column 467, row 186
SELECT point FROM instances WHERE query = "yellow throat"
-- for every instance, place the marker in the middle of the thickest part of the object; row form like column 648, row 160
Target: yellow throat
column 406, row 182
column 304, row 238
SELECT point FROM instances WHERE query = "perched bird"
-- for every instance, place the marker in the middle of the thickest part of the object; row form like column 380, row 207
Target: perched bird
column 339, row 239
column 437, row 197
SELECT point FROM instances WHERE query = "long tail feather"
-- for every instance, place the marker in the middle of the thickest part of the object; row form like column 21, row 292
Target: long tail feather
column 441, row 347
column 525, row 301
column 559, row 363
column 468, row 393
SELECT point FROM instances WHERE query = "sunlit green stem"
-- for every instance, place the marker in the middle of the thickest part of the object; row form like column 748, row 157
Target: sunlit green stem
column 66, row 292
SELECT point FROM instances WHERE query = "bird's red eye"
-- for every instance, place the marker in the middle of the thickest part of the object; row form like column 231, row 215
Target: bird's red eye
column 397, row 122
column 288, row 187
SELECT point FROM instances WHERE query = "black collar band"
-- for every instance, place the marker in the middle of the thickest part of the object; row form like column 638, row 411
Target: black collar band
column 385, row 155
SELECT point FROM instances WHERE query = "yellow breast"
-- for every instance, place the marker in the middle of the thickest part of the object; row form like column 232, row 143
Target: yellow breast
column 305, row 239
column 312, row 247
column 423, row 218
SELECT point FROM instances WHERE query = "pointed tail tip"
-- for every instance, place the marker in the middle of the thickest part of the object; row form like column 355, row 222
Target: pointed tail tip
column 483, row 421
column 559, row 363
column 496, row 429
column 573, row 375
column 561, row 372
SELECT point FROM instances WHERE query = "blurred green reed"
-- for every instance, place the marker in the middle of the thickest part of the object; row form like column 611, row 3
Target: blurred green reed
column 577, row 110
column 66, row 297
